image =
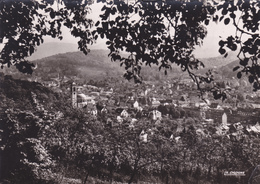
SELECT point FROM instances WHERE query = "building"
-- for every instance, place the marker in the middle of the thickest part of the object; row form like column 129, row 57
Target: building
column 156, row 115
column 80, row 100
column 124, row 114
column 136, row 105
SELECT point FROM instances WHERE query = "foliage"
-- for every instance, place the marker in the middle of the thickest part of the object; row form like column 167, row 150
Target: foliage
column 26, row 160
column 20, row 94
column 247, row 25
column 25, row 23
column 41, row 146
column 162, row 34
column 166, row 32
column 23, row 122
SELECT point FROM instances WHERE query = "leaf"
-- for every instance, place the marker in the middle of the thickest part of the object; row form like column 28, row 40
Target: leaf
column 232, row 15
column 224, row 11
column 113, row 11
column 38, row 42
column 97, row 23
column 105, row 25
column 239, row 75
column 103, row 8
column 225, row 55
column 221, row 43
column 221, row 18
column 31, row 50
column 251, row 79
column 111, row 23
column 47, row 10
column 244, row 62
column 42, row 6
column 226, row 21
column 222, row 51
column 215, row 19
column 52, row 14
column 236, row 68
column 206, row 22
column 233, row 47
column 255, row 85
column 219, row 7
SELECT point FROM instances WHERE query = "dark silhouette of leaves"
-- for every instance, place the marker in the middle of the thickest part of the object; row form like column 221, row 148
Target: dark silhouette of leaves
column 23, row 24
column 251, row 79
column 226, row 21
column 239, row 75
column 236, row 68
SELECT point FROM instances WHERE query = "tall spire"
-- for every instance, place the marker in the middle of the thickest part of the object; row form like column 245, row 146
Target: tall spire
column 74, row 92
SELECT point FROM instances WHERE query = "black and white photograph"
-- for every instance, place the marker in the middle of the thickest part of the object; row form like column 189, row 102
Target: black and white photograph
column 129, row 92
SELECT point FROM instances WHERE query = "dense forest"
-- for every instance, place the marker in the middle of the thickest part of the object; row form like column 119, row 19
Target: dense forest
column 44, row 140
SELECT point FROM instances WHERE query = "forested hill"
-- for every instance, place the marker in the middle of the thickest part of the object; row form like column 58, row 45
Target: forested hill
column 96, row 65
column 15, row 93
column 219, row 61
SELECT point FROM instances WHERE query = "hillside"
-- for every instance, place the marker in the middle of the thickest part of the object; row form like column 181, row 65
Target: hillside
column 18, row 93
column 219, row 61
column 227, row 70
column 96, row 65
column 221, row 65
column 75, row 64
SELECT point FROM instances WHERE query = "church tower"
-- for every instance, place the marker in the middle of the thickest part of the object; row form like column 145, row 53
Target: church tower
column 74, row 94
column 203, row 114
column 224, row 119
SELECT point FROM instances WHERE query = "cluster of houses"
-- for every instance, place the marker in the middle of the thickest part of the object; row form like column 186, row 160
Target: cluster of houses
column 237, row 130
column 81, row 100
column 144, row 99
column 130, row 112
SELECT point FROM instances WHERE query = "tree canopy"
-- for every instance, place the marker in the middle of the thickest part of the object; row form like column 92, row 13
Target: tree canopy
column 150, row 32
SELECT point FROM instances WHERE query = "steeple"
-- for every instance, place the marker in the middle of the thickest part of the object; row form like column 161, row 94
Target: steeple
column 224, row 119
column 74, row 92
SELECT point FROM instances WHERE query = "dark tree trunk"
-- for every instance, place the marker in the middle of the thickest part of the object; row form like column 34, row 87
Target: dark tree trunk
column 136, row 164
column 86, row 178
column 167, row 178
column 209, row 172
column 111, row 174
column 132, row 176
